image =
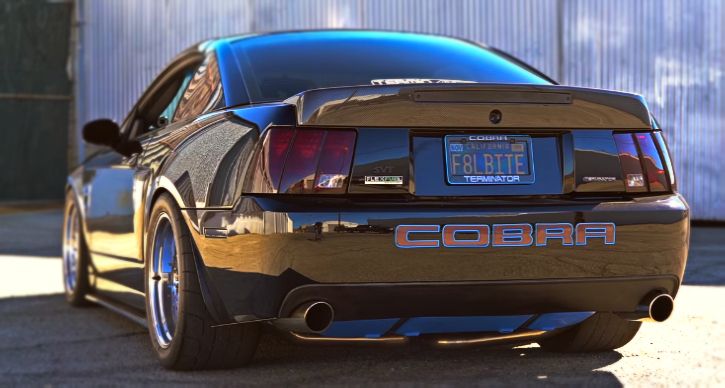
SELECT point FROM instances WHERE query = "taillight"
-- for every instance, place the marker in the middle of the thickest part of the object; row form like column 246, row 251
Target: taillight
column 642, row 166
column 333, row 168
column 301, row 164
column 652, row 163
column 302, row 161
column 666, row 158
column 275, row 152
column 634, row 180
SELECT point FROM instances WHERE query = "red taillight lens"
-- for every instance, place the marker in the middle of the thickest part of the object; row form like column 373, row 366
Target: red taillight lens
column 666, row 158
column 641, row 163
column 265, row 171
column 335, row 160
column 302, row 161
column 634, row 180
column 277, row 145
column 301, row 164
column 652, row 163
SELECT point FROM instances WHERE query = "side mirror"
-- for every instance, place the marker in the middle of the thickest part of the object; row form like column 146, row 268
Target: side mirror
column 102, row 132
column 107, row 133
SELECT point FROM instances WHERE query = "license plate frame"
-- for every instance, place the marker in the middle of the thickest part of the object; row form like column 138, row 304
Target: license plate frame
column 488, row 179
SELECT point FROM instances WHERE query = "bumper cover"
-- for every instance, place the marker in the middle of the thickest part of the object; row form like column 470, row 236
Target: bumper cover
column 265, row 251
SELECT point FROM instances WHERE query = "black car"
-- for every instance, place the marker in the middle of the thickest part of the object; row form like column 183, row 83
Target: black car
column 374, row 187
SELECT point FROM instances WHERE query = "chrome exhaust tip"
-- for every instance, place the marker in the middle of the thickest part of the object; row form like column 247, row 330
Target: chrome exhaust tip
column 312, row 317
column 654, row 308
column 318, row 316
column 660, row 308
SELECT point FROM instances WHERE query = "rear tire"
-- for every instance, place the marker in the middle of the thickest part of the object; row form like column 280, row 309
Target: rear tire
column 178, row 321
column 75, row 255
column 601, row 332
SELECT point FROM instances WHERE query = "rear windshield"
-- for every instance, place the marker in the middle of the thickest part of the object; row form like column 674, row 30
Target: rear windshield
column 278, row 66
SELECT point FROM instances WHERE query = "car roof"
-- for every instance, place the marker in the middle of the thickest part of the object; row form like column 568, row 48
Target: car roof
column 212, row 44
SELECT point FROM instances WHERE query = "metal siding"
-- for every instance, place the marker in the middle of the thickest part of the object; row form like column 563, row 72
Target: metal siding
column 670, row 51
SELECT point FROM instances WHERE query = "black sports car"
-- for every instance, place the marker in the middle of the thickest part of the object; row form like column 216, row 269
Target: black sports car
column 374, row 186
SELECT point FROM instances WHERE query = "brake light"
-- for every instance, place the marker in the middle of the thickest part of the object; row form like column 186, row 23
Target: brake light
column 642, row 166
column 302, row 161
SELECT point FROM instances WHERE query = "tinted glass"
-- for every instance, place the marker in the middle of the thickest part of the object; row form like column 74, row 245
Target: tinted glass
column 173, row 90
column 168, row 113
column 277, row 66
column 204, row 92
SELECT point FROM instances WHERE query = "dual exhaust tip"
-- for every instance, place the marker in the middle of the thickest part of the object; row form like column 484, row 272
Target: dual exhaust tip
column 311, row 317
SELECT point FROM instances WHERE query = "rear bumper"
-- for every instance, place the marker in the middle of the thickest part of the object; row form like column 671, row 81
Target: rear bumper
column 413, row 309
column 493, row 298
column 265, row 252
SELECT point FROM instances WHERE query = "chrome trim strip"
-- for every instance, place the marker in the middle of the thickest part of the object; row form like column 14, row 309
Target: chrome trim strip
column 312, row 338
column 116, row 309
column 491, row 339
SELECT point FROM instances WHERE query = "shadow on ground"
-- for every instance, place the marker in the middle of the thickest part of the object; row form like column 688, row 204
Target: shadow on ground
column 43, row 340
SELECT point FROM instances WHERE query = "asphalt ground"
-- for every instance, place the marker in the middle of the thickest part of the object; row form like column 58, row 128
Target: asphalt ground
column 44, row 342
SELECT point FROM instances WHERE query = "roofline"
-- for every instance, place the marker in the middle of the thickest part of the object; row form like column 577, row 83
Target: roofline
column 209, row 44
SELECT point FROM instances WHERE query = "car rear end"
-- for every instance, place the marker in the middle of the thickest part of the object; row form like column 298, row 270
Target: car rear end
column 413, row 210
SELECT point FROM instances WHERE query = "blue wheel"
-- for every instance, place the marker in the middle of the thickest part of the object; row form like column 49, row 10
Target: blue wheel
column 164, row 282
column 183, row 333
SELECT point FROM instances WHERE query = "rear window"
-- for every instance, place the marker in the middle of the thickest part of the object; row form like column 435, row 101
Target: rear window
column 278, row 66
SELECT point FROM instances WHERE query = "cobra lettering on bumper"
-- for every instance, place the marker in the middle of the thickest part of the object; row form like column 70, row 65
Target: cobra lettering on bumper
column 503, row 235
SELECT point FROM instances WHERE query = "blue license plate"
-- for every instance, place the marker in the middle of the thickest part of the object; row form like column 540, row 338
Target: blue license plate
column 489, row 159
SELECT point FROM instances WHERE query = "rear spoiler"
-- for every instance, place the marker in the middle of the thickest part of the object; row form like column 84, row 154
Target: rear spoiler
column 469, row 106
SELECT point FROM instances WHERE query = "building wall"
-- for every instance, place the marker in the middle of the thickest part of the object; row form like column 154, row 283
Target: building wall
column 34, row 99
column 670, row 51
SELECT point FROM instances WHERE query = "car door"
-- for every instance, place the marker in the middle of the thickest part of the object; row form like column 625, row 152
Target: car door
column 113, row 186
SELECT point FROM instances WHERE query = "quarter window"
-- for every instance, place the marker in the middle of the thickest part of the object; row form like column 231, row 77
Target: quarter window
column 168, row 113
column 204, row 92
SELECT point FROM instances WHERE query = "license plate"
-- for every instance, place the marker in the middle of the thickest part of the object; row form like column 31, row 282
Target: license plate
column 489, row 159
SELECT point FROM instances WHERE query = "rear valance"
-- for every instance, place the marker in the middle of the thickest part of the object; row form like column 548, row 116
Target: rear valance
column 470, row 105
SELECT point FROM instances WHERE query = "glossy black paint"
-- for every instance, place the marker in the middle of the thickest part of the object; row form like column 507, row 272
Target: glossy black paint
column 535, row 107
column 254, row 249
column 596, row 155
column 381, row 151
column 353, row 244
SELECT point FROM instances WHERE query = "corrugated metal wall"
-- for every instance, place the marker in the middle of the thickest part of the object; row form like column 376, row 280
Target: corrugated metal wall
column 671, row 51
